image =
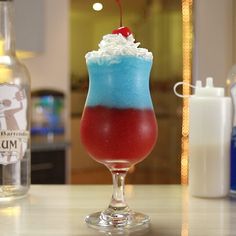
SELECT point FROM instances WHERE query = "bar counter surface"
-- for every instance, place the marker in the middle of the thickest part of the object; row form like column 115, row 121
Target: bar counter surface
column 60, row 210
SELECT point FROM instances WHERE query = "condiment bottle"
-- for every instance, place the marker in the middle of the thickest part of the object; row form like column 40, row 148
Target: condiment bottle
column 209, row 141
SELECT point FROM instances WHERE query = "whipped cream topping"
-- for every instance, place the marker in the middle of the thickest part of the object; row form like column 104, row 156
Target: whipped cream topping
column 113, row 45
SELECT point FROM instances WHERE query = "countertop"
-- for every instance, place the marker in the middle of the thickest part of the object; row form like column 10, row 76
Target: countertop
column 60, row 211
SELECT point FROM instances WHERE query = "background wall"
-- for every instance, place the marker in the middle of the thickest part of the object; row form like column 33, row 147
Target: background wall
column 29, row 21
column 161, row 32
column 213, row 39
column 50, row 69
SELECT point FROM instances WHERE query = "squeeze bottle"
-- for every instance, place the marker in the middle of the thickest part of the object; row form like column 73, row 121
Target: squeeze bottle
column 209, row 141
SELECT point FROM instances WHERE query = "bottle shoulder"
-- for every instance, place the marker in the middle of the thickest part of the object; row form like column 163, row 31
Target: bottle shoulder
column 14, row 68
column 9, row 61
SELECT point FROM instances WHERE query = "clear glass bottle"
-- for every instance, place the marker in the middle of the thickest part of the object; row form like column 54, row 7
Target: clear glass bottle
column 14, row 112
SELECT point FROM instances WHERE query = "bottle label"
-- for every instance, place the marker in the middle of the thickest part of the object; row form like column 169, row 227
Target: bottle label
column 13, row 123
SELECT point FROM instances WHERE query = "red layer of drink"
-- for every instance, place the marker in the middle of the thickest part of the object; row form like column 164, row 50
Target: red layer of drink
column 118, row 137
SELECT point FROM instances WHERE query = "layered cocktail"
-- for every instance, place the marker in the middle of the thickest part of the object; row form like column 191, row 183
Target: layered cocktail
column 118, row 126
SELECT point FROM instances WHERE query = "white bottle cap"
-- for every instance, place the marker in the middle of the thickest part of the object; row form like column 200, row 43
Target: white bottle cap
column 209, row 90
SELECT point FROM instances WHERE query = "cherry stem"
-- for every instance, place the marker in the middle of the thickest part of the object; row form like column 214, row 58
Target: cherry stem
column 120, row 7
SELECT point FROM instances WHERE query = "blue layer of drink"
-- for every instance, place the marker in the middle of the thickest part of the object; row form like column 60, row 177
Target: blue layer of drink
column 120, row 84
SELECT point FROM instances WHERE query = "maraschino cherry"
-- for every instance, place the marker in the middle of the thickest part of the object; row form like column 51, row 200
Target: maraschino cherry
column 125, row 31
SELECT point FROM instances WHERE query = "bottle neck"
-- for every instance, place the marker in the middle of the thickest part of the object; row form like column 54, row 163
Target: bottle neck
column 7, row 37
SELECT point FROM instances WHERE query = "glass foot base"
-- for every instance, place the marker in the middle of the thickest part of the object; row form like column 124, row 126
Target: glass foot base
column 11, row 193
column 117, row 221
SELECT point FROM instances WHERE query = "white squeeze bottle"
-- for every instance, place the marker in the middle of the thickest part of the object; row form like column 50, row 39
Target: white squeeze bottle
column 209, row 141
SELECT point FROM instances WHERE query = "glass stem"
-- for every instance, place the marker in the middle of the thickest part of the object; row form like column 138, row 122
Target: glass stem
column 118, row 196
